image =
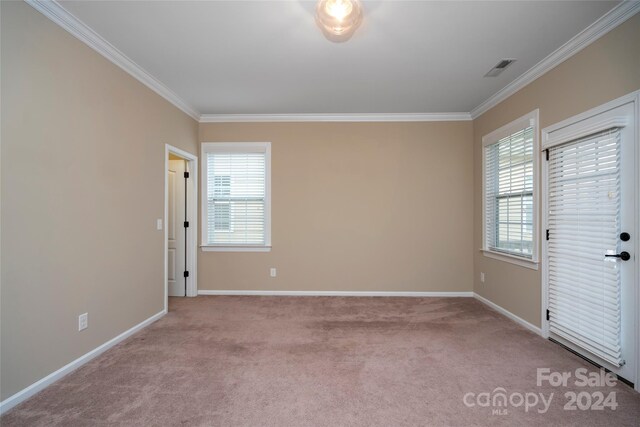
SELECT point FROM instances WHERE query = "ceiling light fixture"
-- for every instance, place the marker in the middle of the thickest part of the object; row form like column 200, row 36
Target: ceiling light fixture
column 338, row 19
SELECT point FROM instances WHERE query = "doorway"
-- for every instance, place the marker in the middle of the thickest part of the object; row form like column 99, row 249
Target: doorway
column 591, row 239
column 180, row 219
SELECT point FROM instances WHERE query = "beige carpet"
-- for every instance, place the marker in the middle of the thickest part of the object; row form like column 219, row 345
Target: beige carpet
column 316, row 361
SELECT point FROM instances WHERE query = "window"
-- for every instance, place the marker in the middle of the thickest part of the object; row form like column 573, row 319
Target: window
column 510, row 193
column 236, row 197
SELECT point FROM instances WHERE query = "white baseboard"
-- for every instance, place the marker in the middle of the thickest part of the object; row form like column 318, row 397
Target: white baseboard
column 509, row 314
column 337, row 293
column 23, row 395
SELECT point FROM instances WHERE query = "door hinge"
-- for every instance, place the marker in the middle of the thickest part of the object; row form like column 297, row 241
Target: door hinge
column 548, row 314
column 186, row 224
column 547, row 153
column 186, row 274
column 186, row 174
column 547, row 234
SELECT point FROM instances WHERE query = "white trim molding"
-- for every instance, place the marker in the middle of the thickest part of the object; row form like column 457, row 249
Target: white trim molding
column 613, row 122
column 337, row 293
column 593, row 32
column 58, row 14
column 548, row 142
column 364, row 117
column 510, row 315
column 34, row 388
column 192, row 231
column 522, row 262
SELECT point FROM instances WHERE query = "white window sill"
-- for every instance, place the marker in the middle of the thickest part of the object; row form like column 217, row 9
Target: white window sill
column 512, row 259
column 206, row 248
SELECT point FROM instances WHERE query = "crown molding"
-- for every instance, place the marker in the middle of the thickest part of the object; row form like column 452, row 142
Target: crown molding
column 593, row 32
column 365, row 117
column 58, row 14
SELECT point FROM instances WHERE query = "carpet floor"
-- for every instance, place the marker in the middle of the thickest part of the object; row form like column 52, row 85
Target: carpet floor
column 327, row 361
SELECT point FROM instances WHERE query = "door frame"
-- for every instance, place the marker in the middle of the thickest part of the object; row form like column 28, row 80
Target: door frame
column 633, row 98
column 192, row 231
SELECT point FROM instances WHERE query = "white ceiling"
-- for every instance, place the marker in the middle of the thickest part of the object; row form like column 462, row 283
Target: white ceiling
column 268, row 57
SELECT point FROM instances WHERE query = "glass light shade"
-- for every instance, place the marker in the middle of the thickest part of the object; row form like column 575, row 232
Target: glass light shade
column 338, row 19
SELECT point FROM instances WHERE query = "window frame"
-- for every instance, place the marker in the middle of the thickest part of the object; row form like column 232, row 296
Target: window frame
column 530, row 119
column 235, row 147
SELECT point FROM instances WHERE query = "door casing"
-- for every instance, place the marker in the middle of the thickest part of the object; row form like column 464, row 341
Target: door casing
column 633, row 98
column 192, row 231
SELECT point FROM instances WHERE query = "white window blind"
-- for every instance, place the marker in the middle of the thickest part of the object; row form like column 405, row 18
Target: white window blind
column 584, row 207
column 508, row 187
column 236, row 195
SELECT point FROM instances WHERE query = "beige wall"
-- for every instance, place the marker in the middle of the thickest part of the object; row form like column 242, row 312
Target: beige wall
column 605, row 70
column 82, row 186
column 357, row 207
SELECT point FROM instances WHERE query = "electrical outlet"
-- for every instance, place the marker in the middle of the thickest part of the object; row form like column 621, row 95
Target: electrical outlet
column 273, row 272
column 83, row 321
column 482, row 277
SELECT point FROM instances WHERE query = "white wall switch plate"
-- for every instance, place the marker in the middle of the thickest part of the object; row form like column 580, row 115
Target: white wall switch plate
column 83, row 321
column 482, row 277
column 273, row 272
column 159, row 224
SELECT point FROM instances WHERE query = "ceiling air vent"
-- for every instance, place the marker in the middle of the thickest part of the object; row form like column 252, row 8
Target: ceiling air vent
column 500, row 67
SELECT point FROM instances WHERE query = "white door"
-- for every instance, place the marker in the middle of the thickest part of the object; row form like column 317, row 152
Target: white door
column 175, row 229
column 590, row 251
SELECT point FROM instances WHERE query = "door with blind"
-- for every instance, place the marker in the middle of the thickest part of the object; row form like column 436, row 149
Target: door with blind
column 590, row 235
